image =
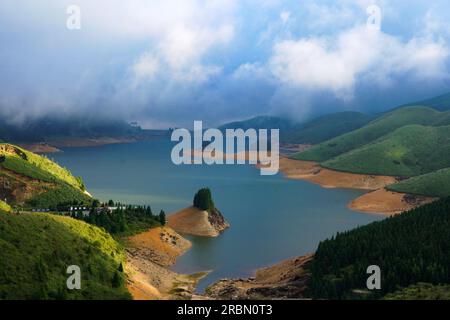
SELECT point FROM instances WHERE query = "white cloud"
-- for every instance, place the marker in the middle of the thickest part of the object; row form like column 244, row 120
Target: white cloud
column 178, row 57
column 145, row 67
column 182, row 34
column 336, row 63
column 184, row 46
column 284, row 16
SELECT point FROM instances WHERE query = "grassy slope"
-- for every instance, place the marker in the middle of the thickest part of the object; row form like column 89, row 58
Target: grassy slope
column 373, row 131
column 434, row 184
column 66, row 187
column 327, row 127
column 408, row 151
column 36, row 249
column 4, row 206
column 38, row 167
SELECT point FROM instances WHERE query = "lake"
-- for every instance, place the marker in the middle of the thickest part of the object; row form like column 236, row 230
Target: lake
column 272, row 218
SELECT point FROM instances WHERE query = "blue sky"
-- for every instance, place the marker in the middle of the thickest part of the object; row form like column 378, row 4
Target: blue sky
column 167, row 63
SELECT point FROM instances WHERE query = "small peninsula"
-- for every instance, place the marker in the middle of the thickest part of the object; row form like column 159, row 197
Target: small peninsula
column 202, row 219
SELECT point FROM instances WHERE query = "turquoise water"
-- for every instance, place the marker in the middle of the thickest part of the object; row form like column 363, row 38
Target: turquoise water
column 272, row 218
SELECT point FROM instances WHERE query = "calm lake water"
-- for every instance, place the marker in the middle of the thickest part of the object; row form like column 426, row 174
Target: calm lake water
column 272, row 218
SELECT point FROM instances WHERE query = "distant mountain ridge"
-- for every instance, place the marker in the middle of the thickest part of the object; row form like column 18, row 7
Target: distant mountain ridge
column 441, row 103
column 309, row 132
column 39, row 130
column 260, row 122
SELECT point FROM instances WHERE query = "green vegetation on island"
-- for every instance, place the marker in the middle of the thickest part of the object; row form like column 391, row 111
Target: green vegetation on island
column 409, row 248
column 37, row 249
column 203, row 200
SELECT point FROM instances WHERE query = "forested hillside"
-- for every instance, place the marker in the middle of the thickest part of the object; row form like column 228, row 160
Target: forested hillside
column 410, row 248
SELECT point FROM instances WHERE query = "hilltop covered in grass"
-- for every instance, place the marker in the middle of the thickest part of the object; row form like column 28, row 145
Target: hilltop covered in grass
column 406, row 142
column 36, row 249
column 35, row 181
column 374, row 130
column 310, row 132
column 37, row 167
column 434, row 184
column 408, row 151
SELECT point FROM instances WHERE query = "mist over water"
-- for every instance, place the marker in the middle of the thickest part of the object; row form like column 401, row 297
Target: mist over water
column 272, row 218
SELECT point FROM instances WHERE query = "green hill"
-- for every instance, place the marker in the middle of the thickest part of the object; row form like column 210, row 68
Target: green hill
column 434, row 184
column 441, row 102
column 409, row 248
column 408, row 151
column 36, row 249
column 36, row 181
column 373, row 131
column 326, row 127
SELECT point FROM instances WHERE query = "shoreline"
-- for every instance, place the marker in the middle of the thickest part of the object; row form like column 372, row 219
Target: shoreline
column 149, row 261
column 388, row 203
column 287, row 279
column 149, row 257
column 378, row 200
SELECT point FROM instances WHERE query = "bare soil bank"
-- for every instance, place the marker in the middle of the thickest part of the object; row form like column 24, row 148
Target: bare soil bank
column 313, row 172
column 196, row 222
column 149, row 255
column 388, row 202
column 285, row 280
column 380, row 201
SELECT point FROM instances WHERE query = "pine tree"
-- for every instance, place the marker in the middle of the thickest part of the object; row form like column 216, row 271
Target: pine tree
column 162, row 218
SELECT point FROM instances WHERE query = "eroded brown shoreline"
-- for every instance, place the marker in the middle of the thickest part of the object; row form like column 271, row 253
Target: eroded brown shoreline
column 379, row 201
column 149, row 256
